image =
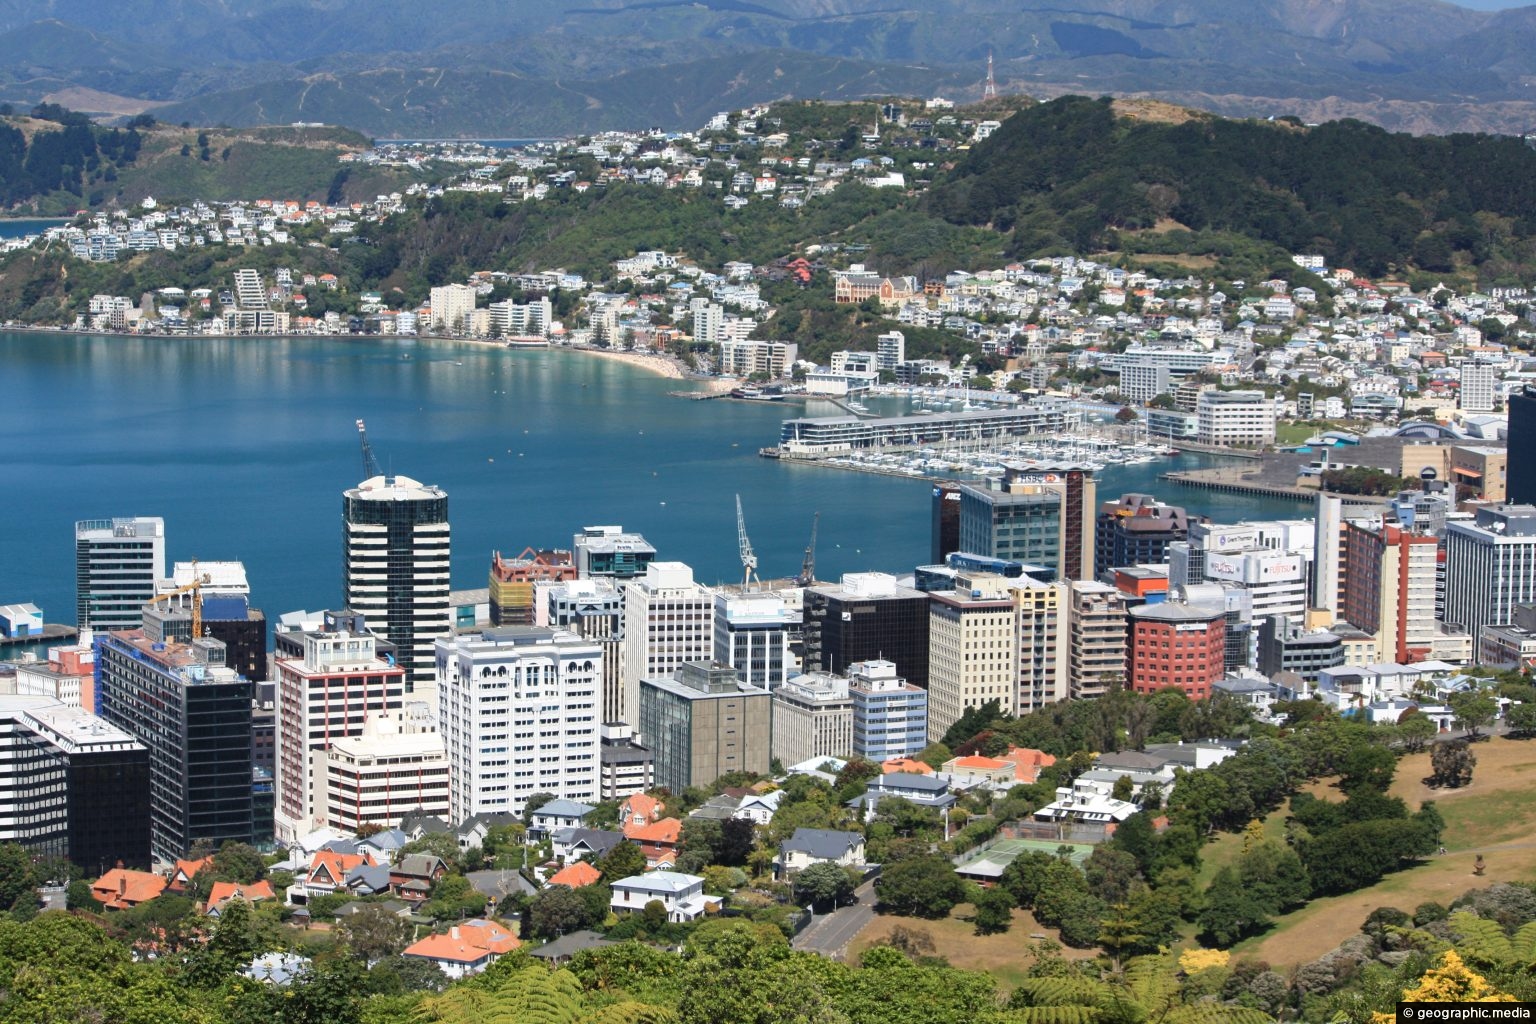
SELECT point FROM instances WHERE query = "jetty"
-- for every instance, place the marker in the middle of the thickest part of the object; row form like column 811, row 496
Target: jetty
column 1256, row 482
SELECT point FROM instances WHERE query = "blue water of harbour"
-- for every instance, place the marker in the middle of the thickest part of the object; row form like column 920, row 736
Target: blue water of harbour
column 244, row 447
column 20, row 228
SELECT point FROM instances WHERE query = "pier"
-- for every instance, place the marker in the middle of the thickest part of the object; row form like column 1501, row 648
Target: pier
column 1254, row 482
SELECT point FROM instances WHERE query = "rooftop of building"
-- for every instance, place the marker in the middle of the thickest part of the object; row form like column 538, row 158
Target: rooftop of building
column 396, row 488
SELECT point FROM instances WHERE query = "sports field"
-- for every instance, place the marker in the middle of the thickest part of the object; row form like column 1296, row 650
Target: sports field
column 989, row 864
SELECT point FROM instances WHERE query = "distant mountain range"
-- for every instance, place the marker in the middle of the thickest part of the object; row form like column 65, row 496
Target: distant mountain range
column 517, row 68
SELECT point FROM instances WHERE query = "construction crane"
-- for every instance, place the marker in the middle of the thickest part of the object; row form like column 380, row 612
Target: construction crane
column 195, row 588
column 808, row 566
column 748, row 559
column 370, row 464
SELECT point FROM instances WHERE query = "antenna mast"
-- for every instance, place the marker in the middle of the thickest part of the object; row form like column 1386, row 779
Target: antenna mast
column 989, row 91
column 370, row 464
column 748, row 559
column 808, row 566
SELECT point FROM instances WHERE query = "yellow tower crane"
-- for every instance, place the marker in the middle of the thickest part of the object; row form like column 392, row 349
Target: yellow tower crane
column 195, row 588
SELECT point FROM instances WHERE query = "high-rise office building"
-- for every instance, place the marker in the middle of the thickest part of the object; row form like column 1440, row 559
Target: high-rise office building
column 703, row 722
column 327, row 694
column 669, row 620
column 864, row 617
column 72, row 785
column 225, row 595
column 1096, row 633
column 593, row 609
column 1040, row 516
column 609, row 551
column 972, row 650
column 1490, row 566
column 1479, row 387
column 890, row 715
column 752, row 636
column 520, row 710
column 396, row 541
column 117, row 562
column 1177, row 646
column 1389, row 591
column 812, row 718
column 395, row 767
column 193, row 712
column 1521, row 407
column 946, row 522
column 1136, row 530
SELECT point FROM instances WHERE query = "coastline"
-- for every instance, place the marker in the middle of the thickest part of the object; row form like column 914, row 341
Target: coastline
column 661, row 365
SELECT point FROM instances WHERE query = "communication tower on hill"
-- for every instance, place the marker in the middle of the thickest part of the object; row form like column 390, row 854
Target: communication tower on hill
column 989, row 91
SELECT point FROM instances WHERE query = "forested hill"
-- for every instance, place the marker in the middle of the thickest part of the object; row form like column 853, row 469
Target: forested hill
column 1073, row 175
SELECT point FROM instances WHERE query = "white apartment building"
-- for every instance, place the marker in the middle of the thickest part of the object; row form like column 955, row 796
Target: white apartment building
column 1040, row 629
column 744, row 358
column 1096, row 618
column 1236, row 418
column 452, row 307
column 669, row 620
column 890, row 350
column 812, row 717
column 708, row 321
column 972, row 650
column 1490, row 566
column 528, row 319
column 1479, row 384
column 327, row 695
column 396, row 766
column 117, row 562
column 519, row 710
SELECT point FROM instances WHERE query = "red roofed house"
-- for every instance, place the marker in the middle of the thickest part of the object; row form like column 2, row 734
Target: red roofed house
column 186, row 870
column 122, row 888
column 576, row 874
column 467, row 949
column 974, row 768
column 223, row 892
column 658, row 840
column 1029, row 763
column 639, row 809
column 328, row 871
column 907, row 765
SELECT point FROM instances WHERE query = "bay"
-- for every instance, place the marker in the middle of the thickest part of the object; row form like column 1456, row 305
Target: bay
column 244, row 446
column 21, row 227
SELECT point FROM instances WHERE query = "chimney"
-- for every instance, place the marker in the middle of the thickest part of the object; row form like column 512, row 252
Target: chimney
column 453, row 933
column 122, row 884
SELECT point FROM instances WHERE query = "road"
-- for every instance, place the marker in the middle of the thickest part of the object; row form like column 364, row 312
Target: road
column 831, row 933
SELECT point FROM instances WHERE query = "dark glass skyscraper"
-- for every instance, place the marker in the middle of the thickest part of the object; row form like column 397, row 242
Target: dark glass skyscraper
column 1522, row 447
column 864, row 618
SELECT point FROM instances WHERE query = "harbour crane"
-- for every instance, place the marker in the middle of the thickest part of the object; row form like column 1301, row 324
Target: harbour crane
column 808, row 565
column 748, row 559
column 195, row 588
column 370, row 464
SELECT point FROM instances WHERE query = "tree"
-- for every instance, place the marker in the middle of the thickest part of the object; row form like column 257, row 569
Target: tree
column 374, row 933
column 624, row 860
column 823, row 885
column 994, row 911
column 1451, row 764
column 239, row 862
column 18, row 877
column 1126, row 415
column 1474, row 709
column 533, row 803
column 1231, row 911
column 1120, row 932
column 922, row 886
column 453, row 898
column 557, row 910
column 1368, row 766
column 1415, row 731
column 1521, row 719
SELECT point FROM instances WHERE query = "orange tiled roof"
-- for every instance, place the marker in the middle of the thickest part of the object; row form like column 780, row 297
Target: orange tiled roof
column 667, row 830
column 642, row 806
column 122, row 888
column 905, row 764
column 1028, row 762
column 465, row 944
column 576, row 875
column 336, row 865
column 223, row 892
column 186, row 870
column 979, row 763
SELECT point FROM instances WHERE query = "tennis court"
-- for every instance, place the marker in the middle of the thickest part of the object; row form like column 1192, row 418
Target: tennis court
column 988, row 864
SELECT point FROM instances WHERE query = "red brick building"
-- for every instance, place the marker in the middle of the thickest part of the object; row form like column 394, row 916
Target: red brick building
column 1176, row 645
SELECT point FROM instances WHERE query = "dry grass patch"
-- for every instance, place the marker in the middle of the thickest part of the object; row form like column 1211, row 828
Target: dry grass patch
column 1004, row 956
column 1494, row 816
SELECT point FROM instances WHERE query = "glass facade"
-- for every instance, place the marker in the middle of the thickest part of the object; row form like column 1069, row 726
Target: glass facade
column 841, row 629
column 1522, row 438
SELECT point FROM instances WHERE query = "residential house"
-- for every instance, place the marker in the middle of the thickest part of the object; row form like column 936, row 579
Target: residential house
column 327, row 872
column 499, row 884
column 575, row 875
column 640, row 809
column 566, row 946
column 682, row 895
column 412, row 879
column 575, row 843
column 819, row 846
column 467, row 949
column 415, row 825
column 223, row 892
column 923, row 790
column 181, row 876
column 383, row 845
column 393, row 907
column 558, row 814
column 473, row 830
column 368, row 879
column 759, row 808
column 658, row 840
column 122, row 888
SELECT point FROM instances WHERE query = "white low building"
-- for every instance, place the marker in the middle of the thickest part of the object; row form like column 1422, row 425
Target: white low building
column 682, row 895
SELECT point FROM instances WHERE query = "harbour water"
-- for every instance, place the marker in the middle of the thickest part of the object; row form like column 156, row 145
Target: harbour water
column 244, row 446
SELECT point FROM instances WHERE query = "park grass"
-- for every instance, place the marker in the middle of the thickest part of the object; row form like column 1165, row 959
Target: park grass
column 1493, row 817
column 1294, row 433
column 1005, row 956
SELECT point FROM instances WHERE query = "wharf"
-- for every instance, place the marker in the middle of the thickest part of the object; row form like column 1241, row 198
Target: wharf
column 1258, row 482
